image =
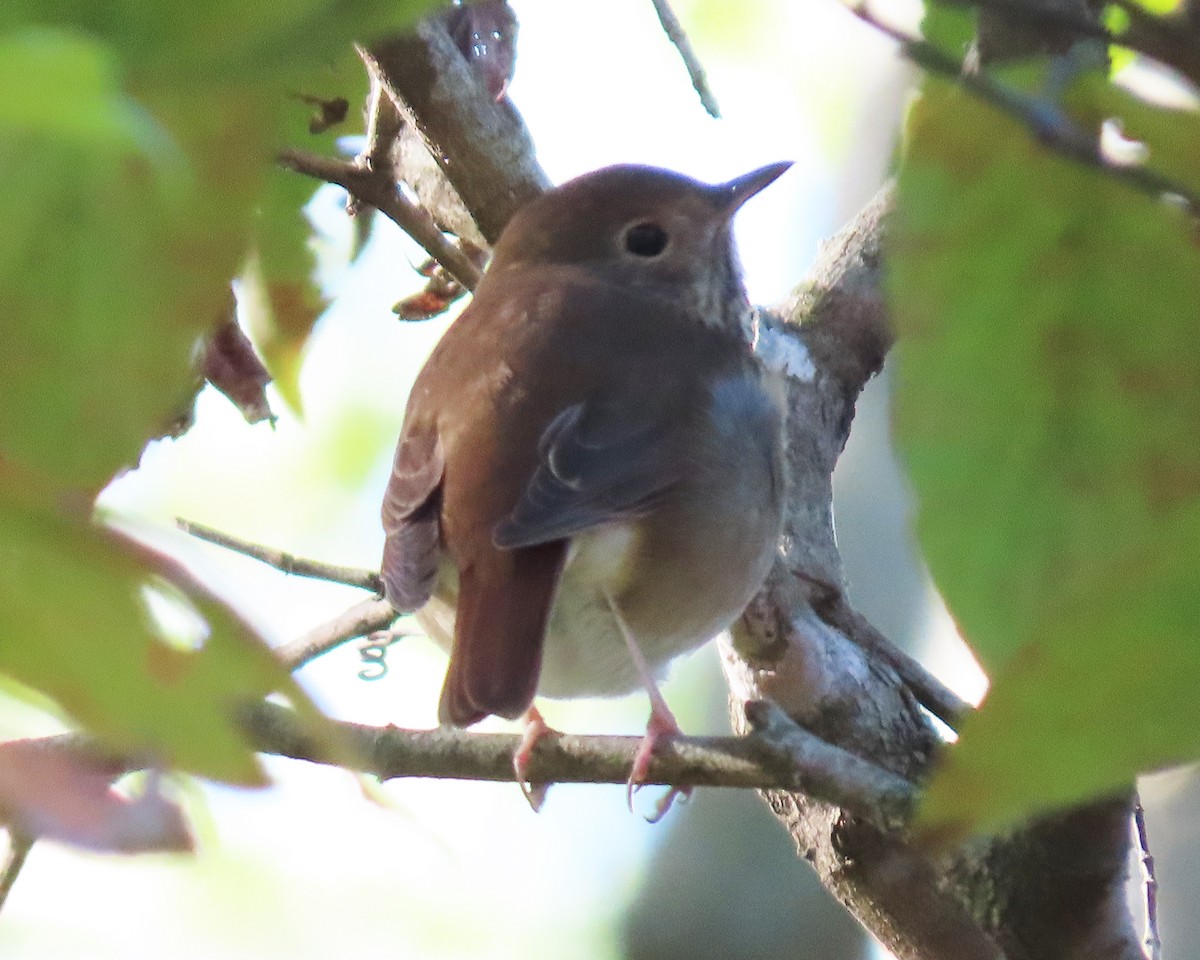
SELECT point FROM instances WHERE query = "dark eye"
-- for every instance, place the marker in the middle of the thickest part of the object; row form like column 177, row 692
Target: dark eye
column 646, row 239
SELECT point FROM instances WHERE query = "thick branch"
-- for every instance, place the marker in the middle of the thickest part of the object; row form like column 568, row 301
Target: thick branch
column 481, row 146
column 781, row 755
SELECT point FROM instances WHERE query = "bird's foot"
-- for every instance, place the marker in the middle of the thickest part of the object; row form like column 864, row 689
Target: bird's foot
column 661, row 725
column 535, row 728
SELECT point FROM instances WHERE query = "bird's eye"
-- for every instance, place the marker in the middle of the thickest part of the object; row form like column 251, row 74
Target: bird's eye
column 646, row 239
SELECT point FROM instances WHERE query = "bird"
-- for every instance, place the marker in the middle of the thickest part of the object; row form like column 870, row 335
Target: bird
column 589, row 476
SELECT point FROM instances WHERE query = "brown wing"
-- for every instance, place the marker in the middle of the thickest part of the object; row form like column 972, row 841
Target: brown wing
column 604, row 461
column 410, row 521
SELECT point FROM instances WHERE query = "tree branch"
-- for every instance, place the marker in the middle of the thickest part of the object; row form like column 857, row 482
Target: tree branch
column 285, row 562
column 1045, row 120
column 380, row 191
column 362, row 619
column 778, row 755
column 481, row 146
column 932, row 694
column 1151, row 940
column 678, row 36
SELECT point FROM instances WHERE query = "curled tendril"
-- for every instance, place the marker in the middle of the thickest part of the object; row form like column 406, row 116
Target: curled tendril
column 373, row 652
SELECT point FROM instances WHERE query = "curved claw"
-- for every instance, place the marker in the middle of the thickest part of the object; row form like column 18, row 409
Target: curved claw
column 666, row 801
column 534, row 793
column 661, row 725
column 535, row 729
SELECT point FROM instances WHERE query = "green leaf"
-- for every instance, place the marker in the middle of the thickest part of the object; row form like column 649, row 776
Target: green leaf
column 136, row 146
column 75, row 623
column 1047, row 410
column 1160, row 6
column 280, row 296
column 1105, row 688
column 137, row 141
column 219, row 42
column 950, row 26
column 103, row 291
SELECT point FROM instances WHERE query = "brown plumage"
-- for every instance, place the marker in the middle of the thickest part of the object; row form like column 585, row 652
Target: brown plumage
column 593, row 431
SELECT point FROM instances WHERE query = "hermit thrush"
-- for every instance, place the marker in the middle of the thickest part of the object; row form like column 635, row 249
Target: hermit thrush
column 588, row 481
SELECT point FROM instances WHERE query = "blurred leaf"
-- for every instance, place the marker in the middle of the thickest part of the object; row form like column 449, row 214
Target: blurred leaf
column 1048, row 412
column 951, row 27
column 102, row 212
column 138, row 136
column 135, row 144
column 1105, row 688
column 281, row 299
column 51, row 789
column 1160, row 6
column 74, row 622
column 218, row 42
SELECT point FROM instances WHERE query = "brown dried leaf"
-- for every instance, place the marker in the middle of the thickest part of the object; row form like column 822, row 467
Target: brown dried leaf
column 231, row 365
column 58, row 791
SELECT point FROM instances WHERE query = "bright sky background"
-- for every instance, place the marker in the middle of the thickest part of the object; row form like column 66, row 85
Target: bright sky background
column 311, row 868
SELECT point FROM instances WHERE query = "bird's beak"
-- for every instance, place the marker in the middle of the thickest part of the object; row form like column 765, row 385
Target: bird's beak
column 740, row 189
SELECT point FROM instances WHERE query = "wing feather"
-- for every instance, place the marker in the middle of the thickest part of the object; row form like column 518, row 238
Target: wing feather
column 411, row 506
column 597, row 464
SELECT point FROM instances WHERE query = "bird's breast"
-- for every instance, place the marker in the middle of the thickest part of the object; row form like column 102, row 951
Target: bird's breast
column 604, row 556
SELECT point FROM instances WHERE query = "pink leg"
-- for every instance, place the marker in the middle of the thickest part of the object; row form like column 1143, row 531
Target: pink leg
column 661, row 725
column 535, row 729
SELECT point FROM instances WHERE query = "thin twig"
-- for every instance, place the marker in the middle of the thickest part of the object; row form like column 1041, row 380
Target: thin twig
column 363, row 618
column 381, row 192
column 676, row 34
column 297, row 566
column 783, row 756
column 1151, row 940
column 19, row 845
column 1044, row 119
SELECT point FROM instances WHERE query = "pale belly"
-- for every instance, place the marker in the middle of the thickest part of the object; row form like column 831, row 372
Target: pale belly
column 674, row 609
